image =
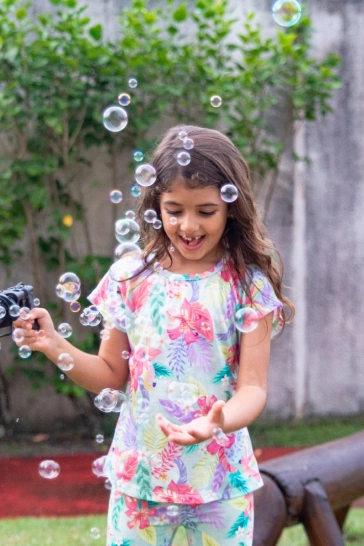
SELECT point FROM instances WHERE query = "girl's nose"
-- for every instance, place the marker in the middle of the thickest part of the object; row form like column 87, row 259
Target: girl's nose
column 189, row 223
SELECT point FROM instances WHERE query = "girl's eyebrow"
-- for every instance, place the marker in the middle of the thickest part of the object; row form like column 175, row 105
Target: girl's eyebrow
column 200, row 205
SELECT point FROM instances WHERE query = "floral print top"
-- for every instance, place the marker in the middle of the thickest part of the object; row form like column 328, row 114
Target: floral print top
column 184, row 355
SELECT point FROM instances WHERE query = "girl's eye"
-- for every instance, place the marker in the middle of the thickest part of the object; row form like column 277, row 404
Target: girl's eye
column 174, row 213
column 204, row 213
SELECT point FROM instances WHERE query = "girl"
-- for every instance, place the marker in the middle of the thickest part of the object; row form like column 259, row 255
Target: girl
column 189, row 347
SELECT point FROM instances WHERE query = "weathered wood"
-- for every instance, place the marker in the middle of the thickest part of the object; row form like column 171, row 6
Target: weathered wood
column 318, row 518
column 270, row 513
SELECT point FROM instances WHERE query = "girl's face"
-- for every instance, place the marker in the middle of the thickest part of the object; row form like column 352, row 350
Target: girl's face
column 194, row 221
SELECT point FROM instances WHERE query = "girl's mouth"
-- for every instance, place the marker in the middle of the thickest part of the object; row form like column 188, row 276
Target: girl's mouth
column 192, row 243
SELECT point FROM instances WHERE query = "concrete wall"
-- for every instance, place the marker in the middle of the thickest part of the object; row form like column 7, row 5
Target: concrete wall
column 329, row 374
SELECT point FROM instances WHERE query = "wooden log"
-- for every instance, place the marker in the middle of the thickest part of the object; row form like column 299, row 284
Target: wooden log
column 318, row 518
column 270, row 514
column 338, row 465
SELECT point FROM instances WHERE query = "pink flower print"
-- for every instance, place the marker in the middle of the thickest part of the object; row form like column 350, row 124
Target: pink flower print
column 215, row 448
column 178, row 493
column 139, row 362
column 233, row 360
column 175, row 290
column 102, row 292
column 193, row 319
column 250, row 467
column 140, row 295
column 129, row 468
column 205, row 404
column 138, row 516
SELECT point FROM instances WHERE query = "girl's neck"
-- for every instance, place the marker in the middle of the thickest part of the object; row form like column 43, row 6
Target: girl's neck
column 190, row 267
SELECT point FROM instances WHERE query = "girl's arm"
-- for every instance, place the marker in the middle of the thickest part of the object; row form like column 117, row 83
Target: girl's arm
column 93, row 372
column 247, row 403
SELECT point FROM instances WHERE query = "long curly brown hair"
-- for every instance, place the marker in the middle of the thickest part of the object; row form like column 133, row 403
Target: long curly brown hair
column 215, row 161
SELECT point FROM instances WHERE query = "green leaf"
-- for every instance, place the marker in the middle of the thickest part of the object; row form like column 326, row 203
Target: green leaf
column 96, row 32
column 207, row 540
column 21, row 13
column 180, row 14
column 148, row 534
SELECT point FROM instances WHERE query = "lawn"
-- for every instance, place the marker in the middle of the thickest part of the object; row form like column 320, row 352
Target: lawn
column 77, row 531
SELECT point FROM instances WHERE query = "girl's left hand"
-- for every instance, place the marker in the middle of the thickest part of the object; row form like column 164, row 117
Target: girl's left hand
column 196, row 431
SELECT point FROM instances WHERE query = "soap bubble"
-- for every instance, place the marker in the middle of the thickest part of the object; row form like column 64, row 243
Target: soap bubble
column 18, row 335
column 49, row 469
column 24, row 351
column 124, row 99
column 65, row 362
column 75, row 306
column 126, row 248
column 157, row 224
column 138, row 156
column 182, row 393
column 95, row 533
column 109, row 400
column 229, row 193
column 145, row 175
column 114, row 118
column 173, row 220
column 98, row 467
column 127, row 231
column 90, row 316
column 188, row 143
column 2, row 312
column 99, row 438
column 246, row 319
column 286, row 13
column 105, row 334
column 158, row 267
column 132, row 83
column 150, row 215
column 65, row 330
column 36, row 302
column 67, row 220
column 130, row 214
column 183, row 158
column 220, row 437
column 136, row 191
column 182, row 135
column 215, row 101
column 24, row 312
column 108, row 485
column 69, row 284
column 172, row 511
column 14, row 310
column 125, row 355
column 116, row 196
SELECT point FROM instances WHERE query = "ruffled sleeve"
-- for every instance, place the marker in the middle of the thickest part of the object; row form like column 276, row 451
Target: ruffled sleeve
column 263, row 299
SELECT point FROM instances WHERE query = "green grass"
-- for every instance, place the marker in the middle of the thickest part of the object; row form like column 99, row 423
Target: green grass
column 304, row 433
column 76, row 531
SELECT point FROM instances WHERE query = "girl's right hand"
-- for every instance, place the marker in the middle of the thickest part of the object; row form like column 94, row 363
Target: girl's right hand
column 38, row 340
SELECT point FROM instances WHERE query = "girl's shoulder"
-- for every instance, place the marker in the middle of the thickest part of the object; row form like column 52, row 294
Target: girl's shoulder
column 130, row 267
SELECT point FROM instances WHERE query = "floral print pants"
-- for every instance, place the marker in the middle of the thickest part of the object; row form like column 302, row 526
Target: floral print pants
column 135, row 522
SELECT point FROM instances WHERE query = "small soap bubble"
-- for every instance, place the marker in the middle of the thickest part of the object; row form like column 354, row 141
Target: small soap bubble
column 130, row 214
column 229, row 193
column 205, row 326
column 172, row 511
column 188, row 143
column 286, row 13
column 124, row 99
column 127, row 231
column 246, row 319
column 114, row 118
column 98, row 467
column 65, row 330
column 125, row 355
column 95, row 533
column 14, row 310
column 83, row 320
column 105, row 334
column 36, row 302
column 49, row 469
column 2, row 312
column 126, row 248
column 108, row 485
column 132, row 83
column 65, row 362
column 182, row 135
column 145, row 175
column 24, row 351
column 135, row 191
column 183, row 158
column 157, row 224
column 116, row 196
column 75, row 306
column 109, row 400
column 138, row 156
column 99, row 438
column 150, row 215
column 216, row 101
column 67, row 220
column 18, row 335
column 62, row 376
column 173, row 220
column 158, row 267
column 220, row 437
column 24, row 312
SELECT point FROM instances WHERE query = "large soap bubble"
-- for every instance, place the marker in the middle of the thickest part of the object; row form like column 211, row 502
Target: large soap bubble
column 114, row 118
column 145, row 174
column 110, row 400
column 286, row 13
column 246, row 319
column 127, row 231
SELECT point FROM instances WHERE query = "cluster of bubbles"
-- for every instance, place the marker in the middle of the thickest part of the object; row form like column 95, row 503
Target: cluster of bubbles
column 286, row 12
column 150, row 216
column 220, row 437
column 246, row 319
column 109, row 400
column 182, row 393
column 90, row 316
column 49, row 469
column 69, row 287
column 114, row 117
